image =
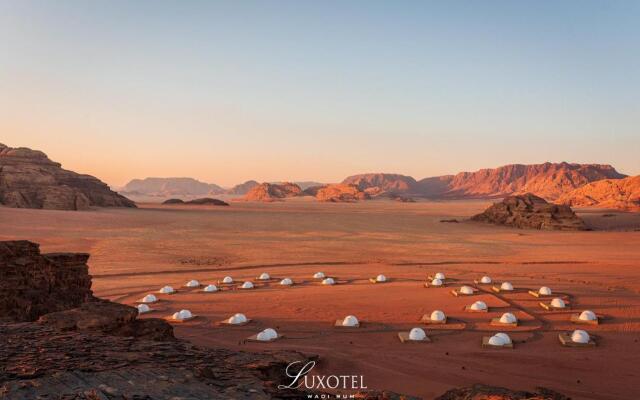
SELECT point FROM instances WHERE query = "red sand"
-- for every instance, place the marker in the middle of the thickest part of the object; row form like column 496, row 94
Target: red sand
column 135, row 252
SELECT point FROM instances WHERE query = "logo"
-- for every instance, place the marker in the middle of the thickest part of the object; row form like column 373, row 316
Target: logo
column 301, row 378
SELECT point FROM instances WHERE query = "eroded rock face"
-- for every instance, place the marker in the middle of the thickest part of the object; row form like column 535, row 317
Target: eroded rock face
column 620, row 194
column 340, row 193
column 383, row 182
column 28, row 179
column 273, row 191
column 34, row 284
column 532, row 212
column 484, row 392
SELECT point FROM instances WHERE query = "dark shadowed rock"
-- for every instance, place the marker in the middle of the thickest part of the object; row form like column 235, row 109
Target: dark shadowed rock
column 28, row 179
column 533, row 212
column 205, row 201
column 33, row 284
column 484, row 392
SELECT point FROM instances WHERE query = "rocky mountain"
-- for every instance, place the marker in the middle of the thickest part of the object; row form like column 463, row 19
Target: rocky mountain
column 166, row 187
column 532, row 212
column 242, row 188
column 381, row 182
column 29, row 179
column 273, row 192
column 548, row 180
column 338, row 193
column 621, row 194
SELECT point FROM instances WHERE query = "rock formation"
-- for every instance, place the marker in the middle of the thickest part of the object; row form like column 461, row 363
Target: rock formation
column 483, row 392
column 273, row 192
column 34, row 284
column 381, row 182
column 167, row 187
column 28, row 179
column 339, row 192
column 205, row 201
column 621, row 194
column 548, row 180
column 530, row 211
column 242, row 188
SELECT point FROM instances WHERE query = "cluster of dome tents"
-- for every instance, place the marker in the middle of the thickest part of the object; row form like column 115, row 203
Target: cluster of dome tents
column 577, row 338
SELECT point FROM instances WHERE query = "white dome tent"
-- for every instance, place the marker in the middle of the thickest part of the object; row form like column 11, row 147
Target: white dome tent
column 150, row 298
column 464, row 290
column 378, row 279
column 264, row 276
column 555, row 304
column 499, row 340
column 167, row 290
column 286, row 282
column 227, row 280
column 485, row 280
column 435, row 282
column 436, row 317
column 247, row 285
column 192, row 284
column 319, row 275
column 236, row 319
column 210, row 288
column 350, row 321
column 506, row 286
column 506, row 319
column 182, row 315
column 577, row 338
column 414, row 335
column 544, row 291
column 328, row 281
column 478, row 306
column 440, row 276
column 267, row 335
column 586, row 317
column 143, row 308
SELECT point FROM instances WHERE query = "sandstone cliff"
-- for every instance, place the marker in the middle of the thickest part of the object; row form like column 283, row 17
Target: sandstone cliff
column 167, row 187
column 533, row 212
column 273, row 192
column 28, row 179
column 382, row 182
column 339, row 193
column 621, row 194
column 548, row 180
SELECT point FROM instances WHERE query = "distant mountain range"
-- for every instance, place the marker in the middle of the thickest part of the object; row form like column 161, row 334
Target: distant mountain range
column 28, row 178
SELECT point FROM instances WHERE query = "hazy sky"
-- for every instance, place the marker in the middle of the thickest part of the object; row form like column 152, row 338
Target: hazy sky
column 274, row 90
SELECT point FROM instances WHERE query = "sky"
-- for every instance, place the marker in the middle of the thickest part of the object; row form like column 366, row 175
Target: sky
column 227, row 91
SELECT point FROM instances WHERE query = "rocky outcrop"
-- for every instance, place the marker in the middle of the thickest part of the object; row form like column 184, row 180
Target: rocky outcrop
column 268, row 192
column 29, row 179
column 205, row 201
column 548, row 180
column 382, row 182
column 39, row 361
column 620, row 194
column 533, row 212
column 339, row 193
column 484, row 392
column 34, row 284
column 242, row 188
column 167, row 187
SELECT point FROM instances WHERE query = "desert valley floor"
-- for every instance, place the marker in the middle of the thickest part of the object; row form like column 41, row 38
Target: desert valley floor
column 136, row 251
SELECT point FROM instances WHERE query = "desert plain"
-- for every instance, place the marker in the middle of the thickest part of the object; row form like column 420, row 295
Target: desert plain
column 136, row 251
